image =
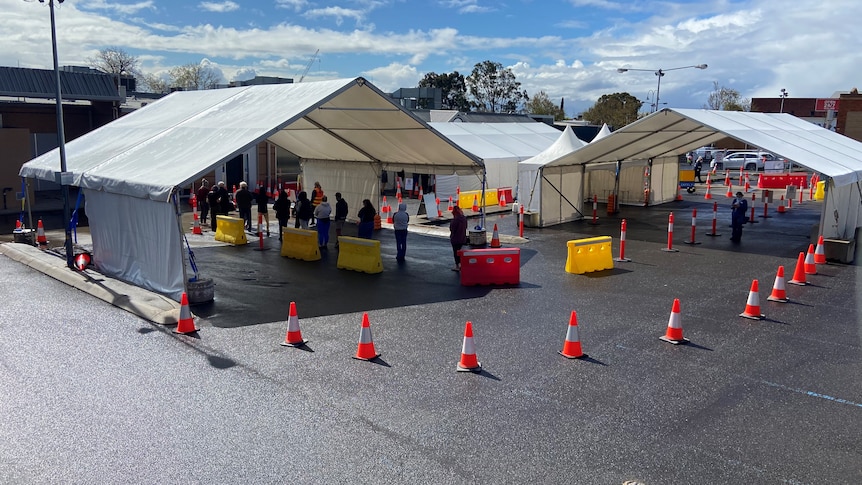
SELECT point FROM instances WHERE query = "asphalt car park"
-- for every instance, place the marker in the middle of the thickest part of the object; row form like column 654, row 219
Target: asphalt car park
column 746, row 401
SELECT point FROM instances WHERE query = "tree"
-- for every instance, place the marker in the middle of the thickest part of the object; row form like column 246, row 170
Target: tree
column 541, row 104
column 117, row 62
column 194, row 76
column 617, row 110
column 494, row 89
column 726, row 99
column 453, row 86
column 154, row 84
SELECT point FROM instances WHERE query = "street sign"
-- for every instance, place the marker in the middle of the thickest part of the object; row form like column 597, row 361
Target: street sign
column 826, row 104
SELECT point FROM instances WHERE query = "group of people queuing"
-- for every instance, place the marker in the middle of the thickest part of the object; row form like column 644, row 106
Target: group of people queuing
column 315, row 212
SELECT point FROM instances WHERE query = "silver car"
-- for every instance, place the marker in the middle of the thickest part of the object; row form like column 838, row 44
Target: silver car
column 749, row 161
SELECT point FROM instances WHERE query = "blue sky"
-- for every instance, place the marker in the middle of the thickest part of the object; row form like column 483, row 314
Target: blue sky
column 568, row 48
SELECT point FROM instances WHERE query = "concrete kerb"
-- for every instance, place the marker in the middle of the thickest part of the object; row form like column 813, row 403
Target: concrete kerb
column 146, row 304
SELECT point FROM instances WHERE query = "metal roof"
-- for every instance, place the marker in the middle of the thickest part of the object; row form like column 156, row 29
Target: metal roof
column 41, row 83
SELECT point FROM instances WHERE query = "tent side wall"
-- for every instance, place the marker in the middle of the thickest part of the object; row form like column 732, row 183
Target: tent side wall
column 561, row 194
column 841, row 211
column 355, row 180
column 664, row 180
column 136, row 240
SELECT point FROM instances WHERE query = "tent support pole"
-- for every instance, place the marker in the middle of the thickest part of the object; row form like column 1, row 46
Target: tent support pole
column 179, row 214
column 561, row 195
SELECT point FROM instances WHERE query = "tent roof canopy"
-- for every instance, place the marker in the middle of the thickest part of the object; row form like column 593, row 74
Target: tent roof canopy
column 180, row 137
column 499, row 141
column 674, row 131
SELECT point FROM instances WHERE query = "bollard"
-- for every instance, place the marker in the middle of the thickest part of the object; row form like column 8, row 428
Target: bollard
column 521, row 221
column 669, row 247
column 622, row 243
column 260, row 233
column 693, row 227
column 751, row 219
column 800, row 195
column 714, row 220
column 595, row 220
column 765, row 209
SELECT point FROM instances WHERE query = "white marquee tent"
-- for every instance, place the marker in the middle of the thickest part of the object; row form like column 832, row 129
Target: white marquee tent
column 344, row 131
column 645, row 154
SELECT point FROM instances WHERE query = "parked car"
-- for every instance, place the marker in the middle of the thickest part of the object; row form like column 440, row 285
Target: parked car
column 750, row 161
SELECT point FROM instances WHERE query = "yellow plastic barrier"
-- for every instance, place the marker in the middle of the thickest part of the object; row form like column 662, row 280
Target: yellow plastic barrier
column 230, row 230
column 299, row 244
column 466, row 198
column 591, row 254
column 820, row 191
column 358, row 254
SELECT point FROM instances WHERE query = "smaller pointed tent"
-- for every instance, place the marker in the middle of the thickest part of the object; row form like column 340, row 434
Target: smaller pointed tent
column 605, row 131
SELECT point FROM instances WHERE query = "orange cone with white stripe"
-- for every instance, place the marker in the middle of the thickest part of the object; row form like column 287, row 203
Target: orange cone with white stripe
column 294, row 334
column 572, row 345
column 810, row 265
column 707, row 195
column 475, row 204
column 752, row 306
column 365, row 350
column 674, row 326
column 450, row 208
column 41, row 239
column 799, row 273
column 502, row 200
column 186, row 324
column 819, row 252
column 495, row 238
column 469, row 362
column 779, row 292
column 196, row 228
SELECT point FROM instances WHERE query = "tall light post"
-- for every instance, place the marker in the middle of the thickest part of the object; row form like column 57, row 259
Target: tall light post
column 783, row 95
column 660, row 73
column 61, row 141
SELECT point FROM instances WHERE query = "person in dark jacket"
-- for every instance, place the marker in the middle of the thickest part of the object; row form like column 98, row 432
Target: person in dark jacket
column 366, row 220
column 262, row 201
column 201, row 196
column 739, row 207
column 224, row 202
column 457, row 234
column 304, row 210
column 215, row 206
column 243, row 204
column 400, row 221
column 282, row 211
column 340, row 215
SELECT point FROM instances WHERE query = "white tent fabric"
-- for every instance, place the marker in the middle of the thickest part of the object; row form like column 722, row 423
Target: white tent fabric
column 500, row 146
column 168, row 144
column 650, row 146
column 529, row 171
column 603, row 132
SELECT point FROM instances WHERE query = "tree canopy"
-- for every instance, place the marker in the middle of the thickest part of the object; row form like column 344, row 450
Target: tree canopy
column 541, row 104
column 116, row 61
column 194, row 76
column 726, row 99
column 453, row 86
column 494, row 88
column 617, row 110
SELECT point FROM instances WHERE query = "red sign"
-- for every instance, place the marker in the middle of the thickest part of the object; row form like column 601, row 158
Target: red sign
column 826, row 104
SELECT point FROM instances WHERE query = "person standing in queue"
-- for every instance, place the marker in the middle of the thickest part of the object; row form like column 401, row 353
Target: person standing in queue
column 282, row 211
column 224, row 202
column 243, row 204
column 214, row 205
column 321, row 214
column 316, row 198
column 698, row 166
column 739, row 207
column 366, row 220
column 340, row 215
column 262, row 202
column 400, row 221
column 201, row 196
column 457, row 234
column 304, row 211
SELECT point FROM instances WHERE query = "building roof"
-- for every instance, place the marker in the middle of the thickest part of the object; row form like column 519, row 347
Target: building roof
column 41, row 83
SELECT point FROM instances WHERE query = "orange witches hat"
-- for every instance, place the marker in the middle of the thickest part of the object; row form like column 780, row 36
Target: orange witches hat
column 810, row 265
column 82, row 261
column 475, row 204
column 674, row 326
column 469, row 362
column 495, row 239
column 365, row 350
column 752, row 306
column 819, row 252
column 40, row 235
column 187, row 322
column 799, row 273
column 294, row 334
column 707, row 195
column 572, row 345
column 778, row 291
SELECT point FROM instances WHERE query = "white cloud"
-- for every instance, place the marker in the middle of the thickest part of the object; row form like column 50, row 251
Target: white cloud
column 125, row 9
column 466, row 6
column 338, row 12
column 296, row 5
column 244, row 74
column 394, row 76
column 219, row 6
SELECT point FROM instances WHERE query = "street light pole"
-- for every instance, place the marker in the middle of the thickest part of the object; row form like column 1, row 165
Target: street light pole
column 783, row 95
column 61, row 141
column 660, row 73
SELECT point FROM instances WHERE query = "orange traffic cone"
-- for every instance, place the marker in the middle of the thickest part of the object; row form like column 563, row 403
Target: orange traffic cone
column 186, row 324
column 781, row 208
column 752, row 306
column 469, row 362
column 572, row 345
column 18, row 225
column 365, row 350
column 819, row 252
column 799, row 273
column 450, row 208
column 40, row 235
column 389, row 215
column 495, row 238
column 398, row 191
column 727, row 178
column 707, row 195
column 384, row 204
column 421, row 193
column 729, row 193
column 439, row 212
column 294, row 334
column 810, row 265
column 82, row 261
column 674, row 326
column 778, row 290
column 475, row 204
column 502, row 200
column 196, row 228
